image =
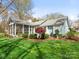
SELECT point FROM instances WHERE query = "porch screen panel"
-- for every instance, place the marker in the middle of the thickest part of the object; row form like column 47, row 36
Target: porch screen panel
column 26, row 29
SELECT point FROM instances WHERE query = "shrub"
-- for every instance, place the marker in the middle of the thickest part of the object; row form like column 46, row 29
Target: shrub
column 54, row 35
column 2, row 35
column 70, row 34
column 44, row 36
column 57, row 34
column 72, row 30
column 7, row 35
column 33, row 36
column 25, row 35
column 73, row 35
column 60, row 35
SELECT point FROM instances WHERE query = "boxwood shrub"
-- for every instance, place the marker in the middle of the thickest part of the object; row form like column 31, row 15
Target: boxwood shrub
column 44, row 36
column 25, row 35
column 2, row 35
column 33, row 36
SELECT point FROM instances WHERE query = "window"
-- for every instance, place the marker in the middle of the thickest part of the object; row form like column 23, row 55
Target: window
column 50, row 27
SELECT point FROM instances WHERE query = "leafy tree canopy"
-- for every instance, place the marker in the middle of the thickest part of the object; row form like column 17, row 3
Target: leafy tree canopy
column 54, row 16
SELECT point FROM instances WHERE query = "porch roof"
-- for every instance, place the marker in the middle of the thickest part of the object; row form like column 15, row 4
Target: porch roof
column 18, row 21
column 51, row 22
column 30, row 23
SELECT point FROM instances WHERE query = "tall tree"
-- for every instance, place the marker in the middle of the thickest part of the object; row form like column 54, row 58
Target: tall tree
column 3, row 16
column 22, row 7
column 2, row 12
column 57, row 15
column 54, row 16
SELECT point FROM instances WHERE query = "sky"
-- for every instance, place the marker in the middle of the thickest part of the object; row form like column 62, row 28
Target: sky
column 67, row 7
column 43, row 7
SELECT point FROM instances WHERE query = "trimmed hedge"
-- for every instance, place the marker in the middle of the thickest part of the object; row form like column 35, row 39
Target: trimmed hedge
column 44, row 36
column 2, row 35
column 33, row 36
column 25, row 35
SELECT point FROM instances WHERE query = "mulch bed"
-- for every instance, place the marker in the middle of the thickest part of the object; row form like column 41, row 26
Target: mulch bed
column 50, row 38
column 73, row 38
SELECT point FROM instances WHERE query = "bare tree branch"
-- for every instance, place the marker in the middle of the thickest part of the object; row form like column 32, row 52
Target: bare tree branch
column 7, row 7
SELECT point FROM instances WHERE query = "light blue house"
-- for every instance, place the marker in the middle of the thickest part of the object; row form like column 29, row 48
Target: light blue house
column 17, row 26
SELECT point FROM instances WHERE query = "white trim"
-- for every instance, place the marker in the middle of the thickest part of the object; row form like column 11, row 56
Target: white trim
column 47, row 31
column 11, row 23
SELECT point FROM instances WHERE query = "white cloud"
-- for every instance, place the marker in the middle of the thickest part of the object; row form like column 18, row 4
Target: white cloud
column 40, row 12
column 73, row 2
column 72, row 13
column 73, row 17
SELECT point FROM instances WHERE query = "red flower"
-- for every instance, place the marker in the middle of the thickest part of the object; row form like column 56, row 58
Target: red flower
column 40, row 30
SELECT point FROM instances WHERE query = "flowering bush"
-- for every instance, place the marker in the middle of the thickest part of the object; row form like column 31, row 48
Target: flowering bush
column 40, row 30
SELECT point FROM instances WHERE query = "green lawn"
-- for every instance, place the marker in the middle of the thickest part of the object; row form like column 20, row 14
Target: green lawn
column 50, row 49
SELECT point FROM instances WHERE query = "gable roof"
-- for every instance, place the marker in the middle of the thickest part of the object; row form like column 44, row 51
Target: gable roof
column 51, row 22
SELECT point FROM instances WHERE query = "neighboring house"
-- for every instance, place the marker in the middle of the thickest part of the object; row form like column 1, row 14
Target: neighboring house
column 17, row 26
column 75, row 25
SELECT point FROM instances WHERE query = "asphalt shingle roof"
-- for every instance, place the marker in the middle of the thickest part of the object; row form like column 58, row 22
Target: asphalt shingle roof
column 50, row 22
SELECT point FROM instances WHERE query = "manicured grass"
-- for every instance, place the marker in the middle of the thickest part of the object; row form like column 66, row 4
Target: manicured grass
column 27, row 49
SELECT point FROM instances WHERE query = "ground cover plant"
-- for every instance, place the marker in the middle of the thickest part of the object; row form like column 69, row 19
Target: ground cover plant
column 49, row 49
column 73, row 35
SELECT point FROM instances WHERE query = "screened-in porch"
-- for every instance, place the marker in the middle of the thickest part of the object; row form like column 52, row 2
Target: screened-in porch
column 17, row 29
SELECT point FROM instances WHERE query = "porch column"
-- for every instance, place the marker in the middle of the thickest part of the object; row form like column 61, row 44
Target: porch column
column 29, row 29
column 15, row 29
column 52, row 31
column 34, row 30
column 12, row 29
column 22, row 28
